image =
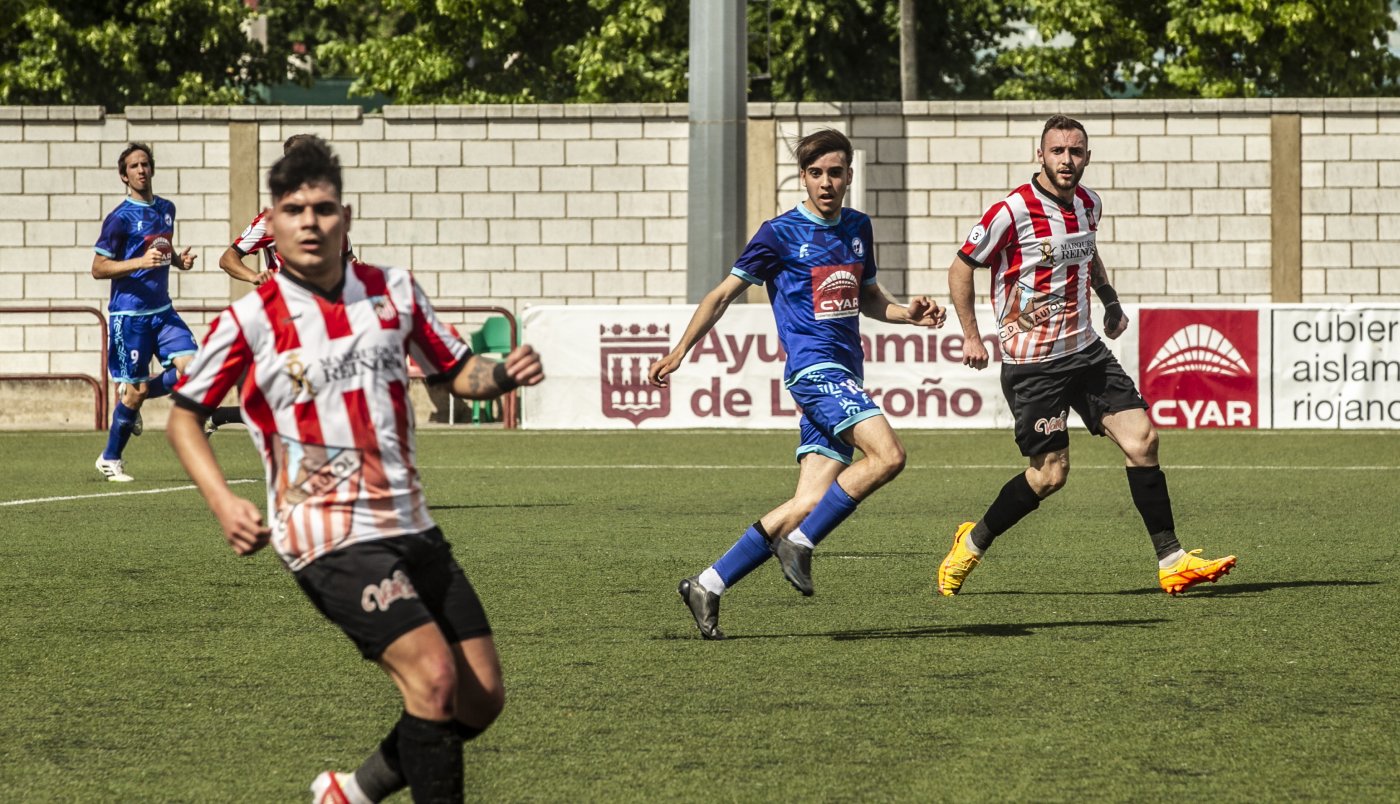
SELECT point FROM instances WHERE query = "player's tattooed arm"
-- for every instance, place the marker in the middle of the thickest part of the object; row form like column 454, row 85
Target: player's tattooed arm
column 1115, row 322
column 482, row 378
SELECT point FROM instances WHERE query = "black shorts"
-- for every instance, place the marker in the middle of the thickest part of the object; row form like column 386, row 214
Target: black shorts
column 378, row 591
column 1042, row 394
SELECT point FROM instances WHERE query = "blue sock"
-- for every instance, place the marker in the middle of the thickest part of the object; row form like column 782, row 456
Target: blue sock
column 162, row 384
column 744, row 557
column 833, row 509
column 123, row 418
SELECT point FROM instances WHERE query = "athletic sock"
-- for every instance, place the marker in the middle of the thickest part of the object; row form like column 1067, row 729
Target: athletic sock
column 745, row 556
column 430, row 752
column 833, row 508
column 1148, row 485
column 381, row 774
column 162, row 384
column 711, row 581
column 1168, row 561
column 123, row 419
column 229, row 414
column 798, row 537
column 1015, row 502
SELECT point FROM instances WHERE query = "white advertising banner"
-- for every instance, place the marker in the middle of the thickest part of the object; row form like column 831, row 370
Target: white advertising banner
column 1337, row 367
column 1284, row 366
column 597, row 358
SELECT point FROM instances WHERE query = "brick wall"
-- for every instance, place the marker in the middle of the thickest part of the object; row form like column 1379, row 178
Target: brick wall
column 585, row 204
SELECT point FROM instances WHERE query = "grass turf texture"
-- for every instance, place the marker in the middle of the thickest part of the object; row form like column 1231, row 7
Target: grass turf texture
column 142, row 661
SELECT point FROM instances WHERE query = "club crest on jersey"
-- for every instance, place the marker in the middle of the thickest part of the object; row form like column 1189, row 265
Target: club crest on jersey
column 836, row 291
column 384, row 308
column 1047, row 251
column 626, row 353
column 858, row 247
column 296, row 372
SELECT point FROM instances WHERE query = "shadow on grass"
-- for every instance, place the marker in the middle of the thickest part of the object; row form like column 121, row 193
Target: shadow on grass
column 1202, row 590
column 988, row 630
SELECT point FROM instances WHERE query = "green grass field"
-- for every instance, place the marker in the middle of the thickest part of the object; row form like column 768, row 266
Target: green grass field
column 142, row 661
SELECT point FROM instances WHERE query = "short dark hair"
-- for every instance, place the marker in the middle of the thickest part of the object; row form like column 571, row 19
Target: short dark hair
column 130, row 149
column 820, row 143
column 1062, row 123
column 310, row 162
column 295, row 140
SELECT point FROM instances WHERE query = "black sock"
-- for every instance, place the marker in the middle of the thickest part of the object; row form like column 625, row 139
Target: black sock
column 430, row 752
column 381, row 774
column 1148, row 485
column 1015, row 501
column 227, row 415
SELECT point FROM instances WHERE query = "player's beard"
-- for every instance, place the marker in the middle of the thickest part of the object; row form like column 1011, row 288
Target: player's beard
column 1060, row 182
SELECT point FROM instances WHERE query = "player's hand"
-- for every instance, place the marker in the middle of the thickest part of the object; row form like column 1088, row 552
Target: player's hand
column 153, row 258
column 263, row 276
column 187, row 258
column 523, row 365
column 1115, row 321
column 242, row 523
column 659, row 370
column 925, row 312
column 974, row 354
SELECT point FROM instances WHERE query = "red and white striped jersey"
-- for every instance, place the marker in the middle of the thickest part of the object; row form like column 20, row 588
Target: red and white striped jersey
column 1039, row 251
column 325, row 398
column 256, row 238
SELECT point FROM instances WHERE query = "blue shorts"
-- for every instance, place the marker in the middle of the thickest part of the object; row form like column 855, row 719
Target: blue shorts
column 832, row 402
column 134, row 338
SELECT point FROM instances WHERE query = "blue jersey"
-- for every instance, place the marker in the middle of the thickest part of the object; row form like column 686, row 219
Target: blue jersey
column 815, row 270
column 127, row 233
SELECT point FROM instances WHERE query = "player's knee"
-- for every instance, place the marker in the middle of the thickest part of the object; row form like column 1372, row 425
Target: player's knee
column 433, row 686
column 1049, row 479
column 891, row 463
column 134, row 395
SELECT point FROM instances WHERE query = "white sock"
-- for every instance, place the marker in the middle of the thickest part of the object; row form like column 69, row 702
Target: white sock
column 711, row 581
column 798, row 537
column 1169, row 561
column 351, row 788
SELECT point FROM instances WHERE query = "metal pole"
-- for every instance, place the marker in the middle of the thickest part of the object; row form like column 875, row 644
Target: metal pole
column 718, row 141
column 908, row 52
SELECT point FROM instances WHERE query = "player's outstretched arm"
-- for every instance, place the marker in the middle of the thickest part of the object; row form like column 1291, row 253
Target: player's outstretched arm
column 922, row 311
column 707, row 313
column 483, row 378
column 232, row 263
column 108, row 268
column 240, row 519
column 960, row 289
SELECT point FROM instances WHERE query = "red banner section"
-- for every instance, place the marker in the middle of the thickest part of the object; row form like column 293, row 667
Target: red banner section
column 1200, row 367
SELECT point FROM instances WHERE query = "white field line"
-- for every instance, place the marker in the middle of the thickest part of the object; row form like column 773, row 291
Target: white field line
column 113, row 494
column 911, row 467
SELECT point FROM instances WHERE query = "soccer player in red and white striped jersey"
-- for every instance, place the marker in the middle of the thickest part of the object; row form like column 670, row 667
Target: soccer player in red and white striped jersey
column 1039, row 246
column 256, row 238
column 319, row 355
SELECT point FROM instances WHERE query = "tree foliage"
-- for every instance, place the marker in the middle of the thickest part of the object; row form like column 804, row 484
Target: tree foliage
column 114, row 53
column 1204, row 48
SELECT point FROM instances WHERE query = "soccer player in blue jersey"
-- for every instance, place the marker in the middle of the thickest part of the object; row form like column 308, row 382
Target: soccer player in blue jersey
column 135, row 251
column 818, row 262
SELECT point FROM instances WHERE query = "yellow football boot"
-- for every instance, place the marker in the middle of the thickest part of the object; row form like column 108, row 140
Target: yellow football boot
column 1191, row 570
column 958, row 563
